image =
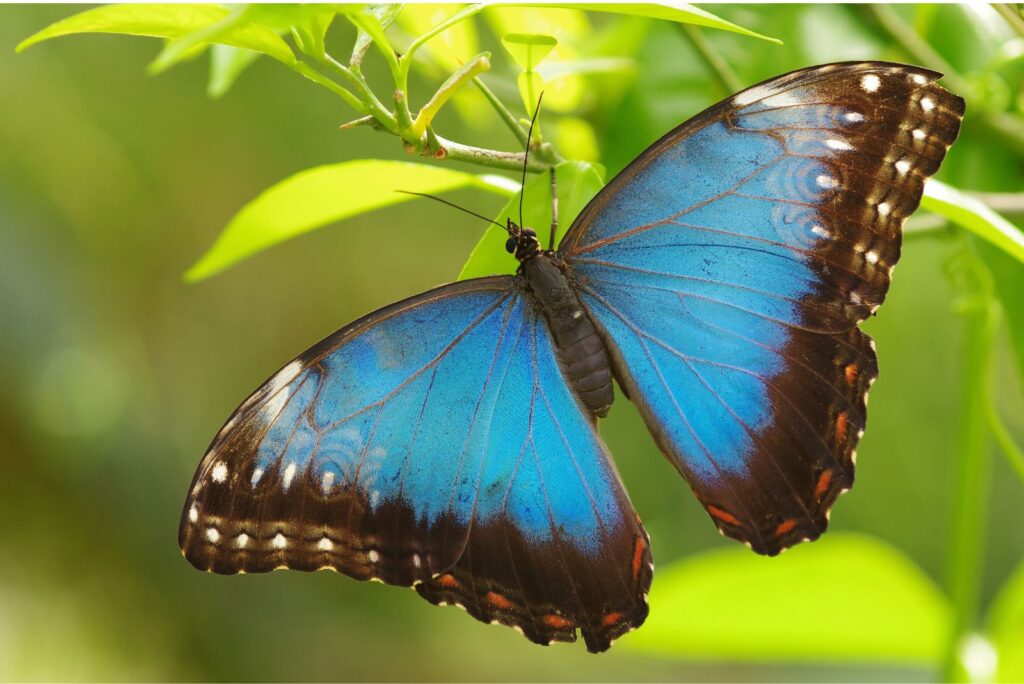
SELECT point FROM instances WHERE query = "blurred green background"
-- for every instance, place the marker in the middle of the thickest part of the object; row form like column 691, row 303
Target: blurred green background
column 117, row 373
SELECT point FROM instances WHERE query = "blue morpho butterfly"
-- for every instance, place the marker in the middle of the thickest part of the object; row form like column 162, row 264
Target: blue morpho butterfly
column 449, row 442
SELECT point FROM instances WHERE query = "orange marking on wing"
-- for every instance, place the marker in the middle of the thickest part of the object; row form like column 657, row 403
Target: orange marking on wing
column 498, row 601
column 724, row 516
column 785, row 526
column 638, row 557
column 823, row 482
column 448, row 582
column 841, row 428
column 851, row 373
column 556, row 621
column 610, row 619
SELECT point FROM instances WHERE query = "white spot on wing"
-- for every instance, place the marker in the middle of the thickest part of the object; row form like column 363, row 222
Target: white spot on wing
column 416, row 560
column 838, row 144
column 872, row 257
column 242, row 540
column 257, row 473
column 213, row 534
column 327, row 481
column 193, row 514
column 854, row 117
column 870, row 83
column 884, row 209
column 279, row 541
column 918, row 134
column 918, row 79
column 826, row 181
column 220, row 472
column 903, row 166
column 289, row 475
column 752, row 95
column 927, row 104
column 325, row 544
column 373, row 556
column 284, row 376
column 819, row 230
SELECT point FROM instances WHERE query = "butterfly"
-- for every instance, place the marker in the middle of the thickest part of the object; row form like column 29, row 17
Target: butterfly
column 449, row 442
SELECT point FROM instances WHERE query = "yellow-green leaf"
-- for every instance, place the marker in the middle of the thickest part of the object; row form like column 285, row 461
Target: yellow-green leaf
column 970, row 213
column 842, row 598
column 172, row 22
column 1006, row 625
column 681, row 12
column 528, row 49
column 318, row 197
column 577, row 181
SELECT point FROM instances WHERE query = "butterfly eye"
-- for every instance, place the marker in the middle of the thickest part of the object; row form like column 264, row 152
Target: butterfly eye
column 510, row 245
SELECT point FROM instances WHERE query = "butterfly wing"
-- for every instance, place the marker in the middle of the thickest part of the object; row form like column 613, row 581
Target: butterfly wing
column 730, row 264
column 403, row 444
column 555, row 545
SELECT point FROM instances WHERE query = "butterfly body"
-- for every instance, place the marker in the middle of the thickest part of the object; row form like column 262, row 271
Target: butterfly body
column 448, row 442
column 581, row 350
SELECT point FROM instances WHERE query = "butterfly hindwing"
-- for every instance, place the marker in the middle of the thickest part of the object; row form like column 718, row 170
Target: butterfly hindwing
column 555, row 544
column 434, row 444
column 730, row 264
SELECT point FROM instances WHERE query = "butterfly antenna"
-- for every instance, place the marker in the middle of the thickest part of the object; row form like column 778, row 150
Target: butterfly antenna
column 451, row 204
column 526, row 156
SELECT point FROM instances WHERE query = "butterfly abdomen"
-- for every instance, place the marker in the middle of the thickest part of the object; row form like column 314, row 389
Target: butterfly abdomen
column 581, row 350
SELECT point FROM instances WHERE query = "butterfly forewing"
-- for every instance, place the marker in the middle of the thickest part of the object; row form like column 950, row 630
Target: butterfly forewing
column 729, row 265
column 354, row 457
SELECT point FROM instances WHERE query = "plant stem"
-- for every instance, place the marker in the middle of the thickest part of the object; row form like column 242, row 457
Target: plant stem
column 1012, row 16
column 508, row 117
column 712, row 60
column 965, row 553
column 318, row 78
column 1005, row 440
column 457, row 80
column 371, row 26
column 370, row 100
column 511, row 161
column 406, row 59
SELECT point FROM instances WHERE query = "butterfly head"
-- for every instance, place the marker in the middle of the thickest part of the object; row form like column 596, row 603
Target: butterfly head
column 522, row 242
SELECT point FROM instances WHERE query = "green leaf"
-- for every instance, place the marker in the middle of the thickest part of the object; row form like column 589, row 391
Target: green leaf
column 578, row 182
column 530, row 85
column 587, row 66
column 226, row 64
column 1006, row 627
column 281, row 17
column 845, row 597
column 973, row 215
column 682, row 13
column 177, row 51
column 165, row 21
column 528, row 49
column 317, row 197
column 385, row 15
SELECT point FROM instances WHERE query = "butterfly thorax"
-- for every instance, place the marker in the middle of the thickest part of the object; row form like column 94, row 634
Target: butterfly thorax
column 581, row 350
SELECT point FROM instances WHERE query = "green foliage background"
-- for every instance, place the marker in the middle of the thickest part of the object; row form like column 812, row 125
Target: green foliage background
column 117, row 373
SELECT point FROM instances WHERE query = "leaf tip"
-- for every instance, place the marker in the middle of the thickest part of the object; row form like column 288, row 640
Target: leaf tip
column 201, row 270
